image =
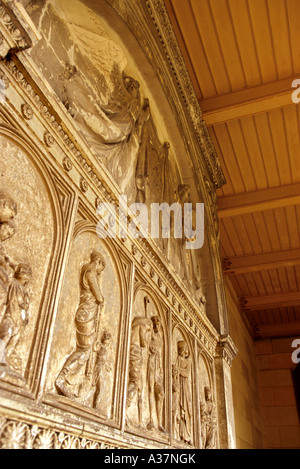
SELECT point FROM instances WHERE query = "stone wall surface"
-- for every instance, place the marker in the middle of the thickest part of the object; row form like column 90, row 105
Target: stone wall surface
column 105, row 342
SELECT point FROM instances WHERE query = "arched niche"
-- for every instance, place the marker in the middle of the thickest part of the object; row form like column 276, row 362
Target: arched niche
column 183, row 390
column 98, row 387
column 147, row 383
column 36, row 243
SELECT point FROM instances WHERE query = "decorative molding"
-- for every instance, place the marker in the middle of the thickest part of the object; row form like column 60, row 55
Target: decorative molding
column 20, row 435
column 13, row 37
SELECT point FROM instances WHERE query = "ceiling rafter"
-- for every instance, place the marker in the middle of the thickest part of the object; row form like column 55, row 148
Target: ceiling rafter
column 266, row 199
column 258, row 262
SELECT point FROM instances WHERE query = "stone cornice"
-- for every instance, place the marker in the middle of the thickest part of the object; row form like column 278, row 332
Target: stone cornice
column 17, row 32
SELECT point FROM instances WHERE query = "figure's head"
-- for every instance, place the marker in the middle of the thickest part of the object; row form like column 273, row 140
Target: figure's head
column 7, row 230
column 69, row 71
column 8, row 208
column 106, row 338
column 23, row 273
column 132, row 86
column 98, row 259
column 207, row 393
column 156, row 323
column 184, row 193
column 182, row 348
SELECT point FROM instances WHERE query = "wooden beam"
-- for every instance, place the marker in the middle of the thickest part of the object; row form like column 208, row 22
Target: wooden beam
column 258, row 303
column 269, row 331
column 266, row 199
column 265, row 261
column 247, row 102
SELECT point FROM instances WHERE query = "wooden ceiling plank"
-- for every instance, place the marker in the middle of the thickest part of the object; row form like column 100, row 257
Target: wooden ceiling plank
column 227, row 149
column 281, row 38
column 227, row 189
column 254, row 151
column 244, row 235
column 251, row 284
column 227, row 39
column 292, row 132
column 293, row 230
column 260, row 285
column 263, row 39
column 226, row 240
column 242, row 25
column 280, row 146
column 282, row 229
column 290, row 271
column 272, row 230
column 241, row 152
column 183, row 47
column 294, row 21
column 261, row 228
column 234, row 237
column 255, row 237
column 207, row 32
column 188, row 29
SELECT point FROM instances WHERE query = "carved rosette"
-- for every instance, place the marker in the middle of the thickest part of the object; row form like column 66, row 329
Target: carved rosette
column 27, row 111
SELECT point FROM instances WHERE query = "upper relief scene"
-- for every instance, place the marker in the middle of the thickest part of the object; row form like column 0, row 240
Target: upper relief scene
column 116, row 104
column 87, row 66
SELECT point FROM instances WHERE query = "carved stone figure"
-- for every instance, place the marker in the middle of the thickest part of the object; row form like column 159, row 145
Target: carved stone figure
column 193, row 274
column 102, row 368
column 141, row 326
column 8, row 208
column 183, row 413
column 7, row 266
column 15, row 317
column 8, row 211
column 208, row 421
column 155, row 376
column 87, row 320
column 175, row 401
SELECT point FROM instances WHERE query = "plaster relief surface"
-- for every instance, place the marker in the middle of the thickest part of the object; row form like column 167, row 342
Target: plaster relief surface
column 25, row 254
column 83, row 363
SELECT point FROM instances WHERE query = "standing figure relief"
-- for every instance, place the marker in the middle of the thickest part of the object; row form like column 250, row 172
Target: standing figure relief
column 208, row 420
column 87, row 356
column 155, row 376
column 14, row 292
column 182, row 398
column 141, row 327
column 146, row 372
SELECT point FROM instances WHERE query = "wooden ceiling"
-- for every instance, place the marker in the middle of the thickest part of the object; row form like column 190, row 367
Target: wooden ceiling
column 242, row 56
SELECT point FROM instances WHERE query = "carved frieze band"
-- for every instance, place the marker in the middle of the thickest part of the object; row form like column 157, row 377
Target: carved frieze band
column 20, row 435
column 12, row 36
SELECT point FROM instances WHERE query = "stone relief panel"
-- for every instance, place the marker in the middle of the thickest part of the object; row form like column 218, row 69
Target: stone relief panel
column 26, row 245
column 147, row 375
column 207, row 404
column 90, row 74
column 182, row 389
column 83, row 364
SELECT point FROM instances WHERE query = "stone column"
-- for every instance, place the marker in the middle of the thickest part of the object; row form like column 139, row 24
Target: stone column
column 226, row 351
